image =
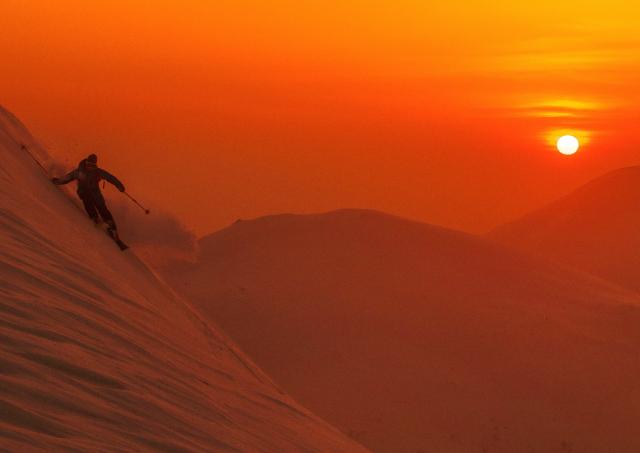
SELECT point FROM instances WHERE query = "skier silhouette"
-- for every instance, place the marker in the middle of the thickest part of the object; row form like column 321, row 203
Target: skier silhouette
column 89, row 176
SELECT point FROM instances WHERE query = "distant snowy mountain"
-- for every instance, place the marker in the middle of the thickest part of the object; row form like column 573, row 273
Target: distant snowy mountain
column 595, row 228
column 96, row 354
column 418, row 338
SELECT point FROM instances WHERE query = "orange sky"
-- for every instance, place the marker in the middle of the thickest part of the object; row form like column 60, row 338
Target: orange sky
column 440, row 111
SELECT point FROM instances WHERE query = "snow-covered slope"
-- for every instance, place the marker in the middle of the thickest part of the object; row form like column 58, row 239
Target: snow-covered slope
column 596, row 228
column 418, row 338
column 96, row 354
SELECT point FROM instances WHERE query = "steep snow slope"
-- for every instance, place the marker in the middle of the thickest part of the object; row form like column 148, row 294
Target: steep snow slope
column 97, row 355
column 595, row 228
column 418, row 338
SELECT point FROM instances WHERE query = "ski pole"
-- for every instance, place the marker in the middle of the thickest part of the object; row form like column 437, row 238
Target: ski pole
column 24, row 148
column 146, row 211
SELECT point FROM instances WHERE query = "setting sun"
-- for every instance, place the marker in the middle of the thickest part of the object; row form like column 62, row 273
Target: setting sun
column 568, row 145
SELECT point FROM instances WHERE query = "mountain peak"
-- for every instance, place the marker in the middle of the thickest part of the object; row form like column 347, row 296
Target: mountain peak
column 595, row 228
column 393, row 330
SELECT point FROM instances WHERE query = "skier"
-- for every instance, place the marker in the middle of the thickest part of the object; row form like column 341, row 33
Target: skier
column 89, row 176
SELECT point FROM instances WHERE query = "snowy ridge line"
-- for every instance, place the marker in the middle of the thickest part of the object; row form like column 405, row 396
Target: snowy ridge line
column 97, row 354
column 413, row 337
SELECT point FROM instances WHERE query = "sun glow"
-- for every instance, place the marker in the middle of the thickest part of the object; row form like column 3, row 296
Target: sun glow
column 568, row 145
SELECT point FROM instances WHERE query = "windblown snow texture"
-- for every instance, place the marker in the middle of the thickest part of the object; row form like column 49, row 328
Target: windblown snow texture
column 96, row 354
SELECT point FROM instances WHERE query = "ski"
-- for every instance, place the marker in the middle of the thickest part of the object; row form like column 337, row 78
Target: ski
column 121, row 244
column 113, row 235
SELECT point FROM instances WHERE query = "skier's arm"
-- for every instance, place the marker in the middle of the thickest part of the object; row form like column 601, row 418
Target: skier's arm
column 66, row 178
column 112, row 179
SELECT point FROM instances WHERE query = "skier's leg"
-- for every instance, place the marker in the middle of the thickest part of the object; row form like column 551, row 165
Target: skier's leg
column 106, row 214
column 90, row 207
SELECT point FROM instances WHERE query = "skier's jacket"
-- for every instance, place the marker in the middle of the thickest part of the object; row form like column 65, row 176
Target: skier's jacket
column 89, row 176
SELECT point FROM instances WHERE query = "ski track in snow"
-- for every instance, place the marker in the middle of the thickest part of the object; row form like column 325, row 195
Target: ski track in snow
column 97, row 354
